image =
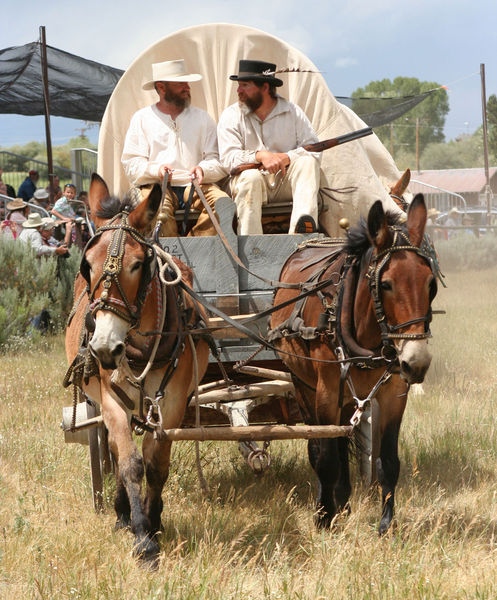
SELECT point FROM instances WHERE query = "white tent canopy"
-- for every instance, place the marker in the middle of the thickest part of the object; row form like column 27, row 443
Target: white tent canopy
column 363, row 167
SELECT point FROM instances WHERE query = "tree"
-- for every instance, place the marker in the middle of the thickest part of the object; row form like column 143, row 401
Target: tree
column 462, row 153
column 492, row 125
column 431, row 112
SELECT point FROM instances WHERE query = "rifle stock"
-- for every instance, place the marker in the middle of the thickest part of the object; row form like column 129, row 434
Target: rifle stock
column 316, row 147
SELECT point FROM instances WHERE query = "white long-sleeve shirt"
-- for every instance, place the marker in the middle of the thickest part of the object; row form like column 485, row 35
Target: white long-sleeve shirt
column 154, row 139
column 33, row 236
column 241, row 133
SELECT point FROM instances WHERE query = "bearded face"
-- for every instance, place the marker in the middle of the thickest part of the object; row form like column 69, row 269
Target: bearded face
column 250, row 95
column 177, row 94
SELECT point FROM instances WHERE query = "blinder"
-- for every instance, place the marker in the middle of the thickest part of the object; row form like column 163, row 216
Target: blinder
column 112, row 267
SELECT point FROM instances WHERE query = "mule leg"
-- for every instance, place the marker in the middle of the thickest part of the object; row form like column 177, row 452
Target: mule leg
column 131, row 471
column 392, row 406
column 388, row 468
column 327, row 468
column 156, row 455
column 121, row 503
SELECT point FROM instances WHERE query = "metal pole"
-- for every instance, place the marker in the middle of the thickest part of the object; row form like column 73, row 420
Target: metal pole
column 46, row 98
column 417, row 144
column 485, row 141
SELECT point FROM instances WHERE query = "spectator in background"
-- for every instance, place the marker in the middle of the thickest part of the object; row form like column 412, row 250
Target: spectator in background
column 41, row 199
column 64, row 211
column 54, row 190
column 452, row 221
column 32, row 234
column 28, row 186
column 5, row 188
column 432, row 215
column 17, row 212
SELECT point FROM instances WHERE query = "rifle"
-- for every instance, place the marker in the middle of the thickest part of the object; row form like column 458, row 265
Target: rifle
column 316, row 147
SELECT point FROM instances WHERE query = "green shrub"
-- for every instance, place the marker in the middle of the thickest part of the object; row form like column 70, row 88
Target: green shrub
column 31, row 284
column 465, row 251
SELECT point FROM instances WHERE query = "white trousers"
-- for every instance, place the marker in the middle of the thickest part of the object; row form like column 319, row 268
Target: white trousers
column 251, row 189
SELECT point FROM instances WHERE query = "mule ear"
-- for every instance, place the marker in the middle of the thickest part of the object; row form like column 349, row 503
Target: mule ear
column 141, row 217
column 98, row 192
column 416, row 220
column 400, row 187
column 378, row 229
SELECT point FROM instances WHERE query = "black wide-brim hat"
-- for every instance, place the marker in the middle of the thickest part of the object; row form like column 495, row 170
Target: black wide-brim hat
column 257, row 70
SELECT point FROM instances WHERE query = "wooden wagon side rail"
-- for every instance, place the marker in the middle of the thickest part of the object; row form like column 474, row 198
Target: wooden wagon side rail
column 249, row 433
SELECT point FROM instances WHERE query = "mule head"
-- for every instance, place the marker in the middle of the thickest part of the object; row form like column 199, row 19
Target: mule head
column 118, row 264
column 405, row 285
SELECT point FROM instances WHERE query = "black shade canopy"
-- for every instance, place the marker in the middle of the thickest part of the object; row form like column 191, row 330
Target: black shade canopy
column 78, row 88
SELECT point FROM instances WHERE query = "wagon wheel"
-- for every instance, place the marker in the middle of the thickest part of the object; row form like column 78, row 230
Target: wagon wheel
column 100, row 458
column 367, row 437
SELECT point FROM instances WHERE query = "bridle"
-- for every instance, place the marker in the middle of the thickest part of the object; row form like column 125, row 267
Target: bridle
column 377, row 263
column 112, row 268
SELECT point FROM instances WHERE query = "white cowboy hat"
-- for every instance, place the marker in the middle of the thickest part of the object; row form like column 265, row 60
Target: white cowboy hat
column 40, row 194
column 48, row 223
column 170, row 70
column 34, row 220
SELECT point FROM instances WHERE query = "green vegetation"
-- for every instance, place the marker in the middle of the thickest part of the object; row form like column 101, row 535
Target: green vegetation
column 431, row 112
column 35, row 150
column 492, row 126
column 253, row 537
column 31, row 284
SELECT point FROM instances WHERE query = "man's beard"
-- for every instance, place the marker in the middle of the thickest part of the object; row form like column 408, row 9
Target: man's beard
column 254, row 102
column 178, row 100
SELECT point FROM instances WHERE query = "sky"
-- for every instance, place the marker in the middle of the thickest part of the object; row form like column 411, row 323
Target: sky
column 352, row 42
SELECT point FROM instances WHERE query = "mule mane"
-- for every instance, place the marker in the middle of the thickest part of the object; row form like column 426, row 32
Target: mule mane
column 112, row 206
column 358, row 240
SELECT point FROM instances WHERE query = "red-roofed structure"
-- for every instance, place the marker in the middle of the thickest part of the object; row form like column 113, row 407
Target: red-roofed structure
column 469, row 183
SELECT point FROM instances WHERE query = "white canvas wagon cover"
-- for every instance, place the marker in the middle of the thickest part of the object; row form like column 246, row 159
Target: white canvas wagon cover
column 363, row 167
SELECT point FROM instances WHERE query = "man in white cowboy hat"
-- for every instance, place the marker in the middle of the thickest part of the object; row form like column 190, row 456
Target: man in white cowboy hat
column 262, row 127
column 453, row 220
column 175, row 140
column 35, row 230
column 432, row 215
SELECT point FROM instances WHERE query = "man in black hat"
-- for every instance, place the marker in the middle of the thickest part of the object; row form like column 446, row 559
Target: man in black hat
column 262, row 127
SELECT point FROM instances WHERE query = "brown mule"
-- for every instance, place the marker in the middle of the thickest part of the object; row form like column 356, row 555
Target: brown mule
column 375, row 313
column 119, row 295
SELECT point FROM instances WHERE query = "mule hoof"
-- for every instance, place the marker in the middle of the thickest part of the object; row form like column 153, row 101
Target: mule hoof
column 323, row 519
column 385, row 526
column 122, row 522
column 147, row 551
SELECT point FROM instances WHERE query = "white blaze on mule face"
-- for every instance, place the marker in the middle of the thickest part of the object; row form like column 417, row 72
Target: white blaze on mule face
column 414, row 359
column 108, row 341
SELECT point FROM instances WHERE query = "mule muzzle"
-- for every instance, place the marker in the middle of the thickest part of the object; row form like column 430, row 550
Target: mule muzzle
column 414, row 360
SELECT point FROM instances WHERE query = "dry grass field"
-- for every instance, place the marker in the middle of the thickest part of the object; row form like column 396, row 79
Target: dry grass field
column 254, row 538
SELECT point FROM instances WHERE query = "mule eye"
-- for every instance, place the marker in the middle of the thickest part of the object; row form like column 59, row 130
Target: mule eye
column 386, row 286
column 136, row 266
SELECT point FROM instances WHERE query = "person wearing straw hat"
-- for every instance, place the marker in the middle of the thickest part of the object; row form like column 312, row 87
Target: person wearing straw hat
column 17, row 211
column 174, row 140
column 432, row 215
column 34, row 230
column 262, row 127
